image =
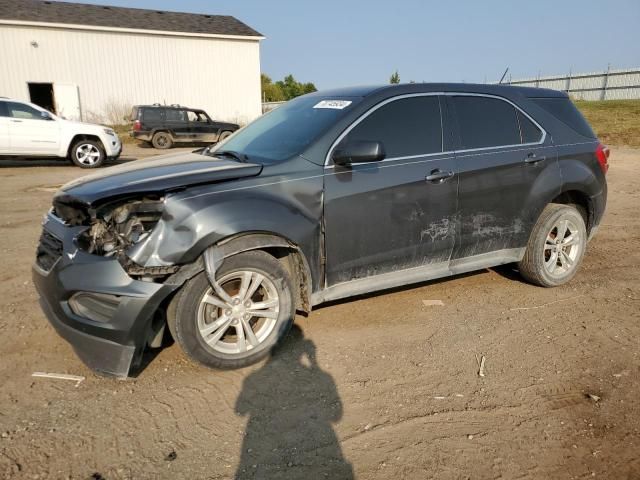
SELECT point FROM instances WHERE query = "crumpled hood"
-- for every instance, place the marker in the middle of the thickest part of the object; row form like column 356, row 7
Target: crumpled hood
column 155, row 175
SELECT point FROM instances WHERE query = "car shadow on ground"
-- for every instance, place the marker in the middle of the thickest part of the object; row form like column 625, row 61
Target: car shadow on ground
column 161, row 151
column 509, row 271
column 401, row 288
column 291, row 405
column 17, row 162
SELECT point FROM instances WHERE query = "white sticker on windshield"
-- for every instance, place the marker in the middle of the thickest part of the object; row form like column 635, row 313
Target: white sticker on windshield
column 334, row 104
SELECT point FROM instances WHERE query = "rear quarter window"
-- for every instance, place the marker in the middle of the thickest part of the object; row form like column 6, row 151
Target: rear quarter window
column 4, row 111
column 565, row 111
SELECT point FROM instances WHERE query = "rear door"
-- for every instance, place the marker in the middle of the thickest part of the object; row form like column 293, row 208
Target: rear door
column 31, row 134
column 177, row 121
column 387, row 216
column 501, row 153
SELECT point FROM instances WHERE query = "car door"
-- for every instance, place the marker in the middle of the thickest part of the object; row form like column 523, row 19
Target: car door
column 201, row 128
column 501, row 152
column 177, row 122
column 4, row 128
column 30, row 133
column 398, row 213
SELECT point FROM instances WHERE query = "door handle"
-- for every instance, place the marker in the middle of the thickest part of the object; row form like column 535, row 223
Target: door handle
column 438, row 176
column 532, row 158
column 16, row 121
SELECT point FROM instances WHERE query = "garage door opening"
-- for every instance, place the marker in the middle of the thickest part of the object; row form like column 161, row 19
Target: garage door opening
column 42, row 95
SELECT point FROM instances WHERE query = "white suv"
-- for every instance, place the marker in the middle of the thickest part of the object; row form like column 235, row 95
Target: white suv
column 27, row 130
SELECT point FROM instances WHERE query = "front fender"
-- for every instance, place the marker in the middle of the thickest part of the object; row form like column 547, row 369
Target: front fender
column 194, row 220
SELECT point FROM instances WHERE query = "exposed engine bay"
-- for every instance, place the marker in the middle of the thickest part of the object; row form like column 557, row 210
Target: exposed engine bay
column 113, row 230
column 115, row 227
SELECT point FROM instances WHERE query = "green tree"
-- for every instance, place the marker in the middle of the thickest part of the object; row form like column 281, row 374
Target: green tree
column 285, row 89
column 270, row 91
column 395, row 78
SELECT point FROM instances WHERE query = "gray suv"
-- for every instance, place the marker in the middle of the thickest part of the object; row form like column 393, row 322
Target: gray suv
column 332, row 195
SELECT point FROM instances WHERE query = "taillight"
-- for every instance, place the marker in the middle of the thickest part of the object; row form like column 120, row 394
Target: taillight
column 602, row 153
column 137, row 126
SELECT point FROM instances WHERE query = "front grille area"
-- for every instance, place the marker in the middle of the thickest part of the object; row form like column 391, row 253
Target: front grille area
column 49, row 251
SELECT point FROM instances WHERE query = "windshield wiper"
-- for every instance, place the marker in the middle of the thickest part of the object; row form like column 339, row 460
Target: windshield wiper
column 240, row 157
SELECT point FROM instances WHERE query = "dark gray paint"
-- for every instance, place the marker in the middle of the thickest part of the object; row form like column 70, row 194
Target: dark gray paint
column 349, row 223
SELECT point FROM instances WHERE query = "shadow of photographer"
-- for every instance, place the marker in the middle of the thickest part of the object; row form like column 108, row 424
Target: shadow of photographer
column 291, row 404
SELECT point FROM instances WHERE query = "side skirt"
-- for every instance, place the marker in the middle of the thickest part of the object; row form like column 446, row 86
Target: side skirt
column 416, row 275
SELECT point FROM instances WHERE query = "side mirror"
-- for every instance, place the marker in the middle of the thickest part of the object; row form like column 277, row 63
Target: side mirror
column 45, row 116
column 358, row 152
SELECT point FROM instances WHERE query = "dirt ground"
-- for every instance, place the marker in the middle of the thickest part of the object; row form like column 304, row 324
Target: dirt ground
column 383, row 386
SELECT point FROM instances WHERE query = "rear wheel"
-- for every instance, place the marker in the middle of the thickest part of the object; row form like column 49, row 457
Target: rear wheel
column 162, row 140
column 241, row 318
column 87, row 154
column 556, row 246
column 224, row 136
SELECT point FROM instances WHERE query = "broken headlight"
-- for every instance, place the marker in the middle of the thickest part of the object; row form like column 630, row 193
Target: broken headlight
column 114, row 228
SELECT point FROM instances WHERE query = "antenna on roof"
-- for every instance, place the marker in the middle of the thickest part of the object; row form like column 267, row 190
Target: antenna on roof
column 503, row 75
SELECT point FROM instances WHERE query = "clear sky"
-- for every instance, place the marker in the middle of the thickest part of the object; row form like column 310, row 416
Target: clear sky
column 350, row 42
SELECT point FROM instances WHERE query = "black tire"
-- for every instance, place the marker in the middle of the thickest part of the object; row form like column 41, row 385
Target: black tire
column 162, row 140
column 184, row 320
column 538, row 265
column 224, row 136
column 87, row 154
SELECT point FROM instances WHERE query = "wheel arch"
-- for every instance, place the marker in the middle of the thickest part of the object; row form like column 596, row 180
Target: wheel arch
column 283, row 249
column 83, row 136
column 582, row 201
column 161, row 130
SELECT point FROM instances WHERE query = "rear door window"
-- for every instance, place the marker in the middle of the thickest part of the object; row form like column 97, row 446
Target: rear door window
column 4, row 111
column 528, row 130
column 486, row 122
column 406, row 127
column 176, row 115
column 153, row 115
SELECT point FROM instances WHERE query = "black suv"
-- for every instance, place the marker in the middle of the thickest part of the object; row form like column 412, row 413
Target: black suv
column 331, row 195
column 165, row 125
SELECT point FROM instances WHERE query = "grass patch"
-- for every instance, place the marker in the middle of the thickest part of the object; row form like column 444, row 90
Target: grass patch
column 616, row 122
column 123, row 133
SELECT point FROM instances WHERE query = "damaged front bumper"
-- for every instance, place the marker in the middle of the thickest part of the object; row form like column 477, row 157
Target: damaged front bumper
column 93, row 303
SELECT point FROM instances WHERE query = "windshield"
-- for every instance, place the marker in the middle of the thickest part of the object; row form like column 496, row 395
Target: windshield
column 289, row 129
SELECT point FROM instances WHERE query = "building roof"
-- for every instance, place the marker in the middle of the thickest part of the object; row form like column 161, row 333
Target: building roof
column 81, row 14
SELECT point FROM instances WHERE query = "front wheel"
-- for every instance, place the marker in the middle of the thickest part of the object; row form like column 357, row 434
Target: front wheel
column 237, row 321
column 556, row 246
column 87, row 154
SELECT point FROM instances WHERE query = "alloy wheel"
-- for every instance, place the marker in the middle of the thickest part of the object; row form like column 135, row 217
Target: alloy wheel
column 239, row 312
column 562, row 247
column 87, row 154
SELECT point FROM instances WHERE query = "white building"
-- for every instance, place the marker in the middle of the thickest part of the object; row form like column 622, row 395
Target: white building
column 92, row 63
